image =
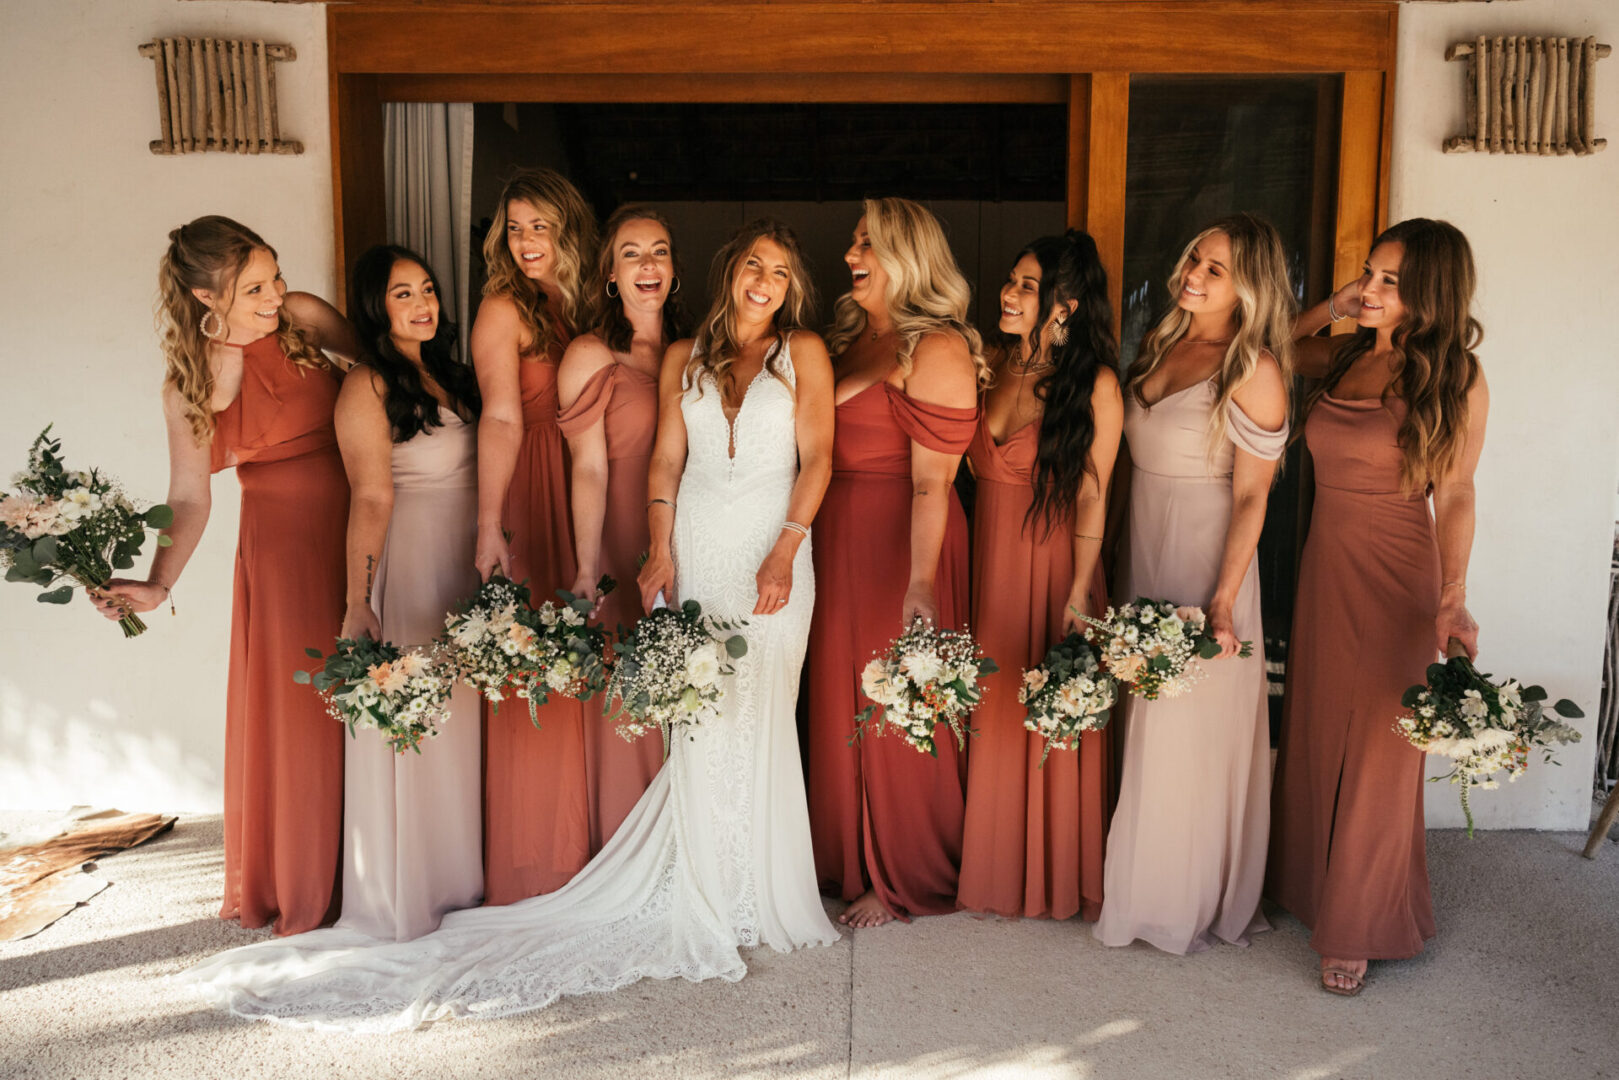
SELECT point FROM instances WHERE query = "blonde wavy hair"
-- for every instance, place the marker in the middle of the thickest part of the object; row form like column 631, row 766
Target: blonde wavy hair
column 573, row 244
column 1436, row 343
column 1264, row 316
column 716, row 348
column 209, row 253
column 926, row 292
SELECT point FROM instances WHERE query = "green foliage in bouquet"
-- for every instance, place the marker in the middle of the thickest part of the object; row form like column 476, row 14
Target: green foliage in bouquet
column 926, row 677
column 1067, row 695
column 68, row 525
column 667, row 670
column 401, row 693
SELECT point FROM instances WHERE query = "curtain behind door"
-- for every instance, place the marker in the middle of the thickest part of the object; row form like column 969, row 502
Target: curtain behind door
column 427, row 154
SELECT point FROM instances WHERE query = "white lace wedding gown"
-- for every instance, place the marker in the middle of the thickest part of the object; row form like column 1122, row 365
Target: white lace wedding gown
column 715, row 856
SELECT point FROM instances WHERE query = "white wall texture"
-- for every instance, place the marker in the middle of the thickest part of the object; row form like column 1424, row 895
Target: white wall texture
column 88, row 717
column 85, row 716
column 1545, row 234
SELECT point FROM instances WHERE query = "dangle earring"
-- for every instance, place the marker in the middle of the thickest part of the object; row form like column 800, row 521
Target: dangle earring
column 1059, row 333
column 612, row 294
column 203, row 325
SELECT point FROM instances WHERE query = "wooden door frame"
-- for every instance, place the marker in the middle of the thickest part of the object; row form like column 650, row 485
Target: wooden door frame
column 1081, row 53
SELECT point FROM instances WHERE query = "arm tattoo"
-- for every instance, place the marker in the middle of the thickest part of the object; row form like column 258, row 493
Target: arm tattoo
column 370, row 573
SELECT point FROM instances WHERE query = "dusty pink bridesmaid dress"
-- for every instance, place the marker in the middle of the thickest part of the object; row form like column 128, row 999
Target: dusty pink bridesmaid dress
column 1186, row 850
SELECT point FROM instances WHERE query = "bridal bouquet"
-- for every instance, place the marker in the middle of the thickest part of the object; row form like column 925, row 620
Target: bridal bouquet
column 1067, row 695
column 668, row 668
column 402, row 693
column 1482, row 726
column 928, row 676
column 1154, row 647
column 499, row 643
column 73, row 525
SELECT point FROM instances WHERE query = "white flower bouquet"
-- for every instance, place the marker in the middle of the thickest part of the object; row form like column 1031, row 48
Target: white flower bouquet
column 1067, row 695
column 404, row 694
column 928, row 676
column 67, row 524
column 1154, row 647
column 1483, row 727
column 668, row 669
column 498, row 643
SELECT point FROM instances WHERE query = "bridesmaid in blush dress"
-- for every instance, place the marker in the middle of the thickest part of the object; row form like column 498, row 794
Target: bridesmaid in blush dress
column 1205, row 421
column 1042, row 456
column 407, row 427
column 247, row 385
column 891, row 544
column 608, row 390
column 536, row 808
column 1399, row 416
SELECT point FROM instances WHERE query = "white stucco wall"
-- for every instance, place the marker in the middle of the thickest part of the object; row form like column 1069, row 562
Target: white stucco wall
column 88, row 717
column 1545, row 233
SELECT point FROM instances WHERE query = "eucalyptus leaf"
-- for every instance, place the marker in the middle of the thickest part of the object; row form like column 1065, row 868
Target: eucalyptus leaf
column 1565, row 707
column 56, row 596
column 165, row 541
column 1533, row 693
column 1208, row 648
column 160, row 516
column 315, row 654
column 301, row 678
column 736, row 647
column 986, row 666
column 46, row 550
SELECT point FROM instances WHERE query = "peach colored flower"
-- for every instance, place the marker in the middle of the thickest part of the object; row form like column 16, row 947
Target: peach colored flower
column 388, row 678
column 1128, row 668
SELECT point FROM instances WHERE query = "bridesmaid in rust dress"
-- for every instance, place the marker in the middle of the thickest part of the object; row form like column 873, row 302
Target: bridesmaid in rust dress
column 891, row 543
column 1399, row 417
column 1043, row 455
column 247, row 385
column 608, row 390
column 536, row 810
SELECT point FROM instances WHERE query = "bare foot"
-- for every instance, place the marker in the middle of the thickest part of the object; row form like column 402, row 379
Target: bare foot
column 866, row 911
column 1344, row 977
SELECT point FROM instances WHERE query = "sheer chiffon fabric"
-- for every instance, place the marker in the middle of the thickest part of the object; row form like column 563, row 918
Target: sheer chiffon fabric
column 412, row 823
column 884, row 816
column 283, row 753
column 715, row 855
column 625, row 401
column 1348, row 849
column 1034, row 836
column 1186, row 849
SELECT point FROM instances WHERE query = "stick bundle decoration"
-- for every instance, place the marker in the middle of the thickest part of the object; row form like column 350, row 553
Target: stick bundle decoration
column 1529, row 95
column 218, row 95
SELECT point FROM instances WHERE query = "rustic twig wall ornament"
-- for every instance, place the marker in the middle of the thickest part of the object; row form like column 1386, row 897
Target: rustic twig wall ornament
column 218, row 95
column 1529, row 95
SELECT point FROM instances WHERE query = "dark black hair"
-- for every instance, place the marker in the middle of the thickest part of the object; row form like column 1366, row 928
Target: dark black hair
column 411, row 407
column 1070, row 269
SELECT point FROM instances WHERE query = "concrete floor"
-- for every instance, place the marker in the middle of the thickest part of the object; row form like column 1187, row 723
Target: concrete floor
column 1522, row 982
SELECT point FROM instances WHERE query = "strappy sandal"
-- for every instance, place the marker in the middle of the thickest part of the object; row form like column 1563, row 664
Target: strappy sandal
column 1356, row 981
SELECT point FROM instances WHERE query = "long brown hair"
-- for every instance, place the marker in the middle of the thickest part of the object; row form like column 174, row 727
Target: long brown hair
column 1436, row 362
column 607, row 320
column 209, row 253
column 1264, row 315
column 716, row 348
column 573, row 243
column 926, row 291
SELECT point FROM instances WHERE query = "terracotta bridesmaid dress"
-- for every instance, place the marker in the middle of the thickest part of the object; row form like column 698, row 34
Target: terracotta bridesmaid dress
column 412, row 823
column 882, row 816
column 1186, row 849
column 536, row 809
column 625, row 400
column 1034, row 836
column 1347, row 853
column 283, row 753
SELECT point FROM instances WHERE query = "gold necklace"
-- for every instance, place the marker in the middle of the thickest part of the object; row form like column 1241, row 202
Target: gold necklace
column 1018, row 366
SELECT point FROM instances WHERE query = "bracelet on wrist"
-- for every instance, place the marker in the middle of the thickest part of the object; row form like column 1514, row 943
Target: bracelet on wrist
column 1332, row 309
column 793, row 526
column 654, row 502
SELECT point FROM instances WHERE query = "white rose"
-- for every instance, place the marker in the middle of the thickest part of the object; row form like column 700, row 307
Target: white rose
column 702, row 666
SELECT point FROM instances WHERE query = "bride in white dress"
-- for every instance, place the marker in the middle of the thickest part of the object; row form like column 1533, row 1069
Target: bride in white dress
column 716, row 855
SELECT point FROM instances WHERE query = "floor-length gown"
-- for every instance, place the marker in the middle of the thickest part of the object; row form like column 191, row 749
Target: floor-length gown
column 536, row 809
column 884, row 816
column 1186, row 849
column 715, row 856
column 1348, row 854
column 1034, row 836
column 283, row 754
column 412, row 823
column 624, row 400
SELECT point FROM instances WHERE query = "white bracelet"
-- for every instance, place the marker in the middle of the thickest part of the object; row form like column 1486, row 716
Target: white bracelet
column 1332, row 312
column 802, row 530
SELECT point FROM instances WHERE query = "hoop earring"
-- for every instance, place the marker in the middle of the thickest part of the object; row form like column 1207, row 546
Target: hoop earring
column 203, row 325
column 608, row 289
column 677, row 286
column 1059, row 333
